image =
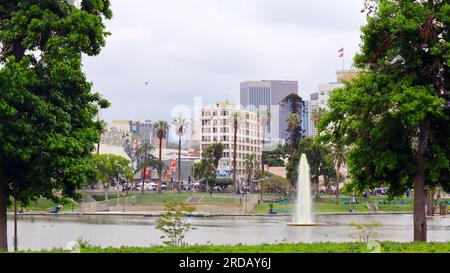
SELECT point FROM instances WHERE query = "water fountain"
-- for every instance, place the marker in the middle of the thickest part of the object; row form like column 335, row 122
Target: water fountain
column 303, row 212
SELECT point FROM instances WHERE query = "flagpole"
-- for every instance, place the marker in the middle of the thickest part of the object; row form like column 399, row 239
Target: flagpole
column 343, row 59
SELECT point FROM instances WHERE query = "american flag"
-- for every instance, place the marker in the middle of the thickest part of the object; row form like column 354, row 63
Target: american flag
column 341, row 52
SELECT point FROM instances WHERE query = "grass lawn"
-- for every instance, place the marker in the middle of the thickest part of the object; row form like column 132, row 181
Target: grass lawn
column 219, row 199
column 159, row 198
column 328, row 205
column 147, row 197
column 45, row 204
column 386, row 247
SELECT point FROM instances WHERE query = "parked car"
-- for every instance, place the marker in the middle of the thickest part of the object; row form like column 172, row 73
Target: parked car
column 147, row 187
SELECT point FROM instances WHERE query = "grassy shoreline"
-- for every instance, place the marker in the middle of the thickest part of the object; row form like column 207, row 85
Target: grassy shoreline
column 386, row 247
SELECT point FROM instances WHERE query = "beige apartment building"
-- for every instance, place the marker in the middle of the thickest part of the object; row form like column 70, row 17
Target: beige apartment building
column 217, row 126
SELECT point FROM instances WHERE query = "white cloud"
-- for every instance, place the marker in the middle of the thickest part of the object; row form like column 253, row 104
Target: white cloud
column 188, row 48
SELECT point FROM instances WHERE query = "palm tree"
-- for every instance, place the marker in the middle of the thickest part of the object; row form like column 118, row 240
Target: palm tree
column 250, row 164
column 161, row 133
column 292, row 121
column 180, row 124
column 264, row 117
column 339, row 157
column 317, row 115
column 235, row 116
column 101, row 132
column 144, row 159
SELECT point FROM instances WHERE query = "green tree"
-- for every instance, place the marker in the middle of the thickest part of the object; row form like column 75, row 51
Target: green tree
column 275, row 157
column 145, row 160
column 264, row 118
column 250, row 164
column 320, row 162
column 205, row 171
column 338, row 151
column 316, row 116
column 293, row 104
column 180, row 124
column 47, row 110
column 293, row 123
column 275, row 184
column 110, row 167
column 214, row 152
column 395, row 115
column 235, row 119
column 161, row 133
column 173, row 222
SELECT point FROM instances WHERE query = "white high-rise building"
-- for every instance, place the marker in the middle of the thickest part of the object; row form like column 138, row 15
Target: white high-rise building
column 320, row 99
column 217, row 126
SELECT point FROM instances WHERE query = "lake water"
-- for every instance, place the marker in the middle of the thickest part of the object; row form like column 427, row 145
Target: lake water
column 47, row 232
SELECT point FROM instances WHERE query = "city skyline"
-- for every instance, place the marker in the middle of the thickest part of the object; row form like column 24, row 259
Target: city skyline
column 207, row 50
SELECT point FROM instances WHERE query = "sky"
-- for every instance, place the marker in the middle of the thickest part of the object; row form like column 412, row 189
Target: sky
column 205, row 48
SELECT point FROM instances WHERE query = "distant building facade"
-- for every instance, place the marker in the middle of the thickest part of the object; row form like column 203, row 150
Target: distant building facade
column 256, row 95
column 320, row 99
column 133, row 132
column 217, row 126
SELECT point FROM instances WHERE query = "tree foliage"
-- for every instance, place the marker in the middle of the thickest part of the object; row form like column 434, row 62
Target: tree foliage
column 47, row 109
column 275, row 184
column 46, row 104
column 173, row 222
column 319, row 159
column 275, row 157
column 294, row 105
column 214, row 152
column 395, row 116
column 109, row 166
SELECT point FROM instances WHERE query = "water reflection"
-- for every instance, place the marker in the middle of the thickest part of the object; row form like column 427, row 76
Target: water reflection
column 38, row 232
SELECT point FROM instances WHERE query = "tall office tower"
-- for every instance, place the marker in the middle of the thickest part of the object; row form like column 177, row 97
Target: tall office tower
column 268, row 95
column 313, row 105
column 217, row 126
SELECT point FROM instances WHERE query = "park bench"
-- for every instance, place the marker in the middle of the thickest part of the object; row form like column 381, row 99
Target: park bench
column 282, row 211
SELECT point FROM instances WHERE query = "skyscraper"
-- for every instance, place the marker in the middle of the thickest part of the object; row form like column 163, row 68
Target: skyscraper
column 268, row 95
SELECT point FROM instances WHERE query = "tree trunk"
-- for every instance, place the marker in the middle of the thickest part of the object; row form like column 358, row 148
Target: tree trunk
column 3, row 219
column 420, row 219
column 106, row 191
column 143, row 180
column 160, row 166
column 234, row 155
column 317, row 182
column 262, row 152
column 15, row 226
column 179, row 165
column 337, row 183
